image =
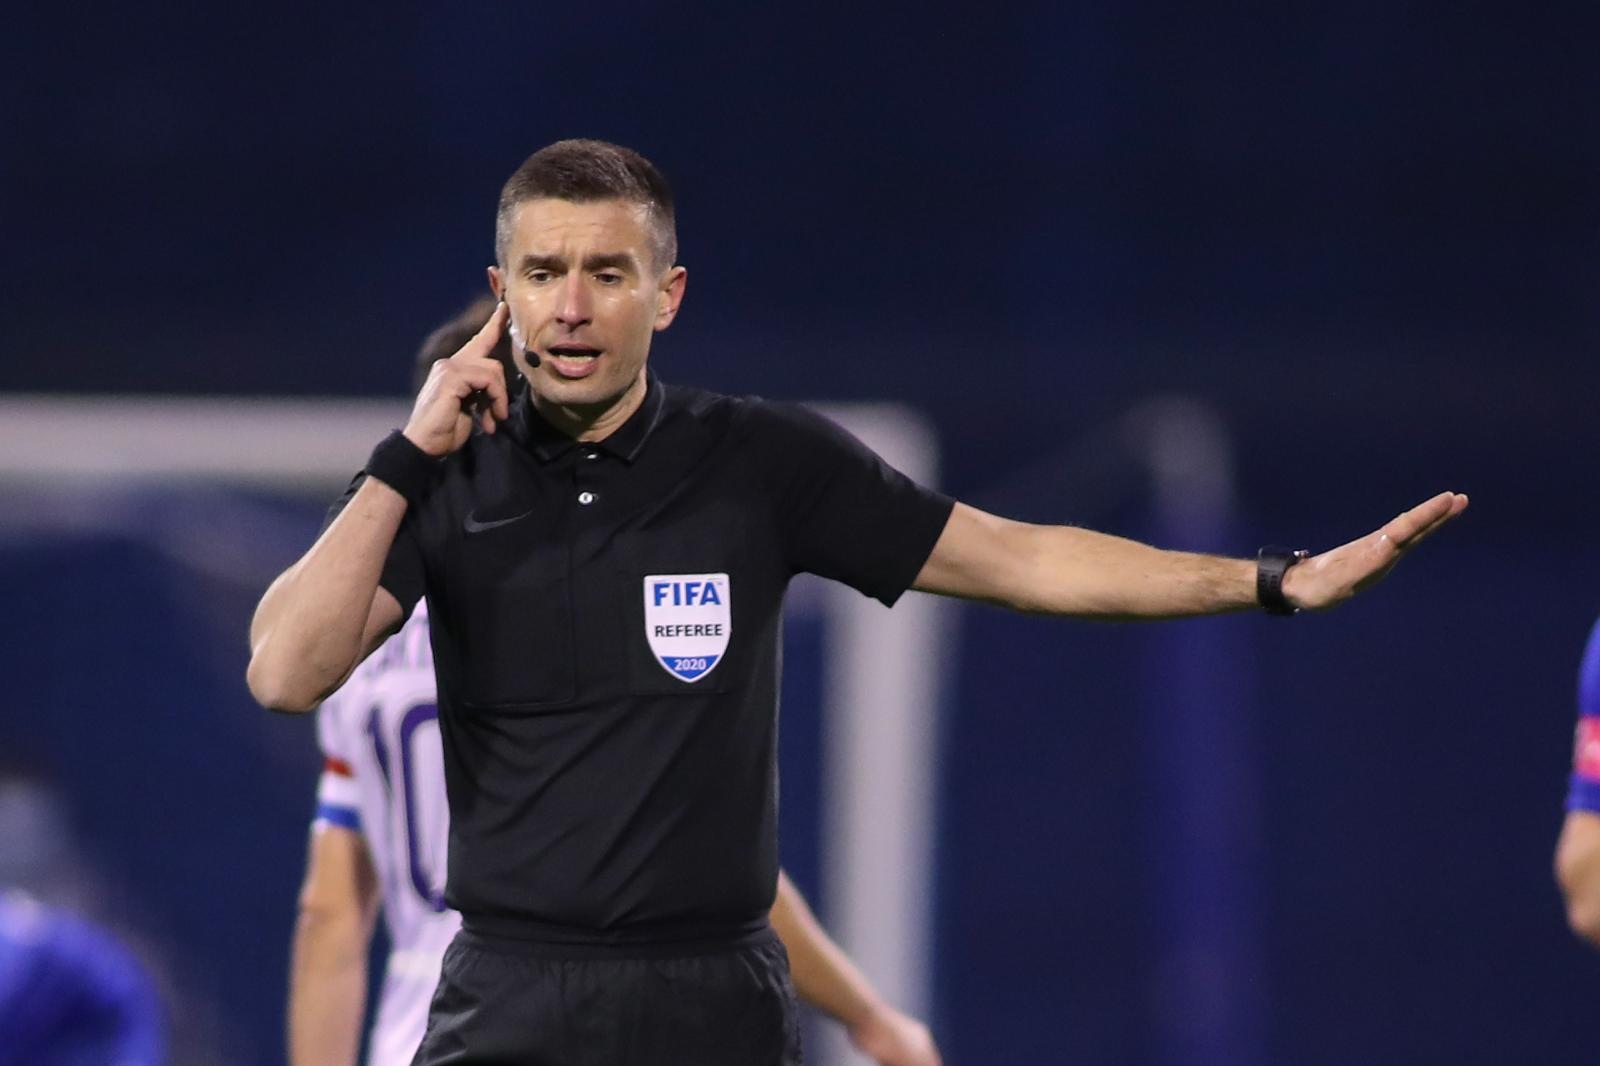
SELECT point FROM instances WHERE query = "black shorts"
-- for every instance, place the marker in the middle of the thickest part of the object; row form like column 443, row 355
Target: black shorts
column 516, row 1003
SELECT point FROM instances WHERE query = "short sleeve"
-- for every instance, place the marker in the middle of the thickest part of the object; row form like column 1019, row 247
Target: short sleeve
column 842, row 512
column 338, row 794
column 1583, row 793
column 403, row 573
column 331, row 738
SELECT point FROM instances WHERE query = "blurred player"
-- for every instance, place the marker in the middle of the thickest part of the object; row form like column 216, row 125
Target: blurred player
column 1578, row 850
column 380, row 838
column 70, row 992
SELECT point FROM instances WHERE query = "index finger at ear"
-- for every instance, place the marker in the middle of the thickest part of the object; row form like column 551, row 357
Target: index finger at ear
column 484, row 340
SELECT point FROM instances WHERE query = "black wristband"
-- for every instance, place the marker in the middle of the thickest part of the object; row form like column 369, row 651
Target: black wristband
column 403, row 466
column 1271, row 564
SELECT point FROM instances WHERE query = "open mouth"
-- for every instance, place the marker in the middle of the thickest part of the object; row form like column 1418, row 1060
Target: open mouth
column 573, row 360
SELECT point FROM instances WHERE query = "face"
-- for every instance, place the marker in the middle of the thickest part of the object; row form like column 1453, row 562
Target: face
column 586, row 295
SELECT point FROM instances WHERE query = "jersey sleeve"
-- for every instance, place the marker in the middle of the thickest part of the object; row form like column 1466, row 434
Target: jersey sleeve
column 843, row 512
column 338, row 796
column 403, row 569
column 1583, row 793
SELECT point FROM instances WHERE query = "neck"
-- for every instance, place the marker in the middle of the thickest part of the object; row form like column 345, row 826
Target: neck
column 591, row 422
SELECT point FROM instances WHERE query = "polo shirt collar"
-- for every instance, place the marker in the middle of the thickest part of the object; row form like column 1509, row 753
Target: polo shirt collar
column 547, row 442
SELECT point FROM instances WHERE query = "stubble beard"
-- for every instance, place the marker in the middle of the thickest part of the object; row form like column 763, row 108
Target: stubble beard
column 568, row 409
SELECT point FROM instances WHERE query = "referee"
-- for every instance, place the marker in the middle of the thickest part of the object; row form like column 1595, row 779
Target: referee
column 605, row 558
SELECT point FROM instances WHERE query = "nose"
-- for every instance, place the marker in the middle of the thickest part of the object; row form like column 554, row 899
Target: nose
column 575, row 308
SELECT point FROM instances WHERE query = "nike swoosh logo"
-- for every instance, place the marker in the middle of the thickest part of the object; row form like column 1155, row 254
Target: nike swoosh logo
column 472, row 525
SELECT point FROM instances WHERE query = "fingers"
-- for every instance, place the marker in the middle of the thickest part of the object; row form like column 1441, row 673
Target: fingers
column 479, row 384
column 1333, row 576
column 1424, row 533
column 461, row 390
column 477, row 353
column 481, row 348
column 1406, row 531
column 483, row 341
column 1408, row 524
column 462, row 380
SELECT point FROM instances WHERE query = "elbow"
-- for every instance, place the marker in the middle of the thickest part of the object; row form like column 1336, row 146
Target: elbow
column 275, row 688
column 340, row 933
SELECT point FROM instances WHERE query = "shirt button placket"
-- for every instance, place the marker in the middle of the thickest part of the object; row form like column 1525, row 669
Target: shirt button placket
column 586, row 496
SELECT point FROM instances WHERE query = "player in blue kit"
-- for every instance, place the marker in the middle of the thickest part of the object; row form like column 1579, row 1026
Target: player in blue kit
column 379, row 842
column 70, row 993
column 1578, row 850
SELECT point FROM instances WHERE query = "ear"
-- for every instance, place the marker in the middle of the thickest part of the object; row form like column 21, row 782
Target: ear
column 497, row 283
column 670, row 296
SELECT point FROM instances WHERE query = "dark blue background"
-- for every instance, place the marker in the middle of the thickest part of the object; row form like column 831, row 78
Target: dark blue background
column 1365, row 234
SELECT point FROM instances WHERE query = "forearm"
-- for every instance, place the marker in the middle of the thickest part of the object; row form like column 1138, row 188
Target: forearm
column 327, row 990
column 309, row 629
column 1064, row 570
column 1578, row 873
column 1071, row 571
column 823, row 976
column 827, row 979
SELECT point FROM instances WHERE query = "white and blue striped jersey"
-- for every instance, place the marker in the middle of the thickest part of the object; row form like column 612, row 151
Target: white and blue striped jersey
column 383, row 777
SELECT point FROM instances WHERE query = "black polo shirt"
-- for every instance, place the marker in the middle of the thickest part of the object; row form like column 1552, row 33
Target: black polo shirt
column 606, row 632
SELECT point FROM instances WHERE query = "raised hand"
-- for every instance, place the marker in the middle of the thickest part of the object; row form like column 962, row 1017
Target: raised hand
column 1332, row 577
column 468, row 386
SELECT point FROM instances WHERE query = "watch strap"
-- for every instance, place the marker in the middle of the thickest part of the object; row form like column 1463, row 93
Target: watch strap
column 1272, row 563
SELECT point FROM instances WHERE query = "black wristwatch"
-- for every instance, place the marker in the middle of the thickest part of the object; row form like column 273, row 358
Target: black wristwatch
column 1271, row 564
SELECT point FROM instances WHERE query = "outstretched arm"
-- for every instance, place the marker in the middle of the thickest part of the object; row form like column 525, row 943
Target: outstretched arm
column 328, row 974
column 827, row 979
column 1069, row 571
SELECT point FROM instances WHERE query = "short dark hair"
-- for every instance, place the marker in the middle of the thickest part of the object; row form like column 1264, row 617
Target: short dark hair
column 584, row 171
column 447, row 340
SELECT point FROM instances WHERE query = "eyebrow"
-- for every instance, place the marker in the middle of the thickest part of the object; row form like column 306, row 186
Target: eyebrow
column 604, row 261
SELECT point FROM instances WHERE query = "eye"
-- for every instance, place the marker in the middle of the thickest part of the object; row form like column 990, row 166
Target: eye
column 609, row 277
column 541, row 277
